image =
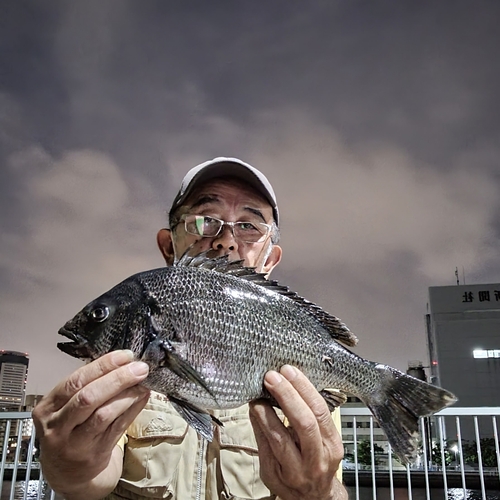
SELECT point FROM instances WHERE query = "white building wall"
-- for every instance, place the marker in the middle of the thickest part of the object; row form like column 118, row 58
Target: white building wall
column 462, row 319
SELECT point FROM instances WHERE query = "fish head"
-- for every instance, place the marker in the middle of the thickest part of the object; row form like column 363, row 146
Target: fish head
column 110, row 322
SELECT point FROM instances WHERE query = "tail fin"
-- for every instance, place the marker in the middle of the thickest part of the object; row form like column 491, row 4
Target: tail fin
column 399, row 402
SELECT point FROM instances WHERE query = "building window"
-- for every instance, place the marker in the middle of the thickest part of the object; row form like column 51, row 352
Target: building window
column 353, row 399
column 486, row 353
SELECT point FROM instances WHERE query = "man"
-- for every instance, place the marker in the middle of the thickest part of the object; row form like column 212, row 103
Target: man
column 102, row 435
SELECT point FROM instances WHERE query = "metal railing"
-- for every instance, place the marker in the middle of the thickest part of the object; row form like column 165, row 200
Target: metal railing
column 459, row 458
column 20, row 473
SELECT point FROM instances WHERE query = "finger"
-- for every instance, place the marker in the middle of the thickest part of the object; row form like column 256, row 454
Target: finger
column 329, row 434
column 98, row 392
column 66, row 389
column 269, row 467
column 313, row 399
column 274, row 435
column 103, row 419
column 122, row 423
column 299, row 414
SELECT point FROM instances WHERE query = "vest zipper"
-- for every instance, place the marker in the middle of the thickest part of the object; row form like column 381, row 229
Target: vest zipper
column 200, row 469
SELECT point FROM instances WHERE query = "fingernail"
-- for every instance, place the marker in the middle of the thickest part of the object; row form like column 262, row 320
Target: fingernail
column 289, row 372
column 130, row 355
column 122, row 357
column 273, row 378
column 139, row 368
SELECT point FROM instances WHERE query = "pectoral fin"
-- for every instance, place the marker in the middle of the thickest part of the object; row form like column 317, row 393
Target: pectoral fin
column 333, row 398
column 161, row 353
column 197, row 418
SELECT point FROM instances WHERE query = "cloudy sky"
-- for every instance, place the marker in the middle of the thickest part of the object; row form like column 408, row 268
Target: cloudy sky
column 378, row 124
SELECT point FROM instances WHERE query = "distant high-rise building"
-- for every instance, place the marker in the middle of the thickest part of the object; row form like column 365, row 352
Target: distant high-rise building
column 13, row 375
column 31, row 401
column 463, row 328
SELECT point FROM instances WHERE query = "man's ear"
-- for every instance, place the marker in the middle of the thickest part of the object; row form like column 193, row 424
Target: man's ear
column 272, row 260
column 166, row 246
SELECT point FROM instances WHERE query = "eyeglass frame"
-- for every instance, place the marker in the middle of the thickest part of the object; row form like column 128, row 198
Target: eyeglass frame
column 269, row 227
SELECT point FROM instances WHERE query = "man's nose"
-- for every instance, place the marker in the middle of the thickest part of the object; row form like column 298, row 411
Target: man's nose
column 225, row 240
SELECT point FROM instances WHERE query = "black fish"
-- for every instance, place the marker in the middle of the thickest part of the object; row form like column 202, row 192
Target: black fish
column 210, row 329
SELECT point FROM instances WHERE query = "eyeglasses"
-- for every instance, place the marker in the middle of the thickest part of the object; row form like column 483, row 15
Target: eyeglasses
column 209, row 227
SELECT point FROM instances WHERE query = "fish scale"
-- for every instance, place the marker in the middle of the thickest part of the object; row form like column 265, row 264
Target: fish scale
column 202, row 321
column 210, row 329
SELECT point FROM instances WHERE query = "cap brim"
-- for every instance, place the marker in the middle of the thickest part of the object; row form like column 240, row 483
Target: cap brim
column 227, row 167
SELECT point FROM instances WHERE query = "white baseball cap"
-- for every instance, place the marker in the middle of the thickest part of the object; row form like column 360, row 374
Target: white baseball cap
column 221, row 167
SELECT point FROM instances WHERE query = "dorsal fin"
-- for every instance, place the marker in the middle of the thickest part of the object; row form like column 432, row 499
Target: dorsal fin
column 221, row 264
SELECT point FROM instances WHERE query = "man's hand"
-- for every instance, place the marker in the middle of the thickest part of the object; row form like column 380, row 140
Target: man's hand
column 299, row 461
column 80, row 421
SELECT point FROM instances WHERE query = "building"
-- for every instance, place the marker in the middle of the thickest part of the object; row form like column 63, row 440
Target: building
column 13, row 375
column 463, row 329
column 364, row 428
column 31, row 401
column 361, row 428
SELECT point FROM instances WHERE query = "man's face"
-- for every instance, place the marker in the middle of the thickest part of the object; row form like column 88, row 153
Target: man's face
column 229, row 200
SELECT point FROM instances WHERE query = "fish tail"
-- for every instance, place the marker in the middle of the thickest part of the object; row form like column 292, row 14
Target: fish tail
column 398, row 404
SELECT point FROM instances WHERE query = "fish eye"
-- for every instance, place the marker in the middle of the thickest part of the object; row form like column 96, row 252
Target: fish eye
column 100, row 313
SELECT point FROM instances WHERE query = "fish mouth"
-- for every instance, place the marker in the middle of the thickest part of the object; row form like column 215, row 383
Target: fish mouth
column 78, row 347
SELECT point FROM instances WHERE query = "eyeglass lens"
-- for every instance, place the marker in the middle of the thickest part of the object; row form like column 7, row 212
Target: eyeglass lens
column 202, row 225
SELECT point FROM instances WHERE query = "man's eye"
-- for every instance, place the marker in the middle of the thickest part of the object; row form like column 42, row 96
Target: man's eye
column 247, row 226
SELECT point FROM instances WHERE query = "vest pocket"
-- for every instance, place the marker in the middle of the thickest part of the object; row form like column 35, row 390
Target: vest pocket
column 153, row 452
column 240, row 461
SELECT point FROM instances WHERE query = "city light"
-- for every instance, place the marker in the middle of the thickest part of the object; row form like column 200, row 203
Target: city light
column 486, row 353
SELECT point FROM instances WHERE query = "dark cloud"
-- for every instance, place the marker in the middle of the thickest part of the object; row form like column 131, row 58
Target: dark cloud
column 377, row 124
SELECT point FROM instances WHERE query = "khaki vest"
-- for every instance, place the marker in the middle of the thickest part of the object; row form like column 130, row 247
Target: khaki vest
column 165, row 458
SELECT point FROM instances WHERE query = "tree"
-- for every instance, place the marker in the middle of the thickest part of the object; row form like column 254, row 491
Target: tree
column 436, row 456
column 433, row 455
column 365, row 454
column 488, row 452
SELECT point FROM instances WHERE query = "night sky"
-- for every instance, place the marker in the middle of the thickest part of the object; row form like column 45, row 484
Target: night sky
column 378, row 124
